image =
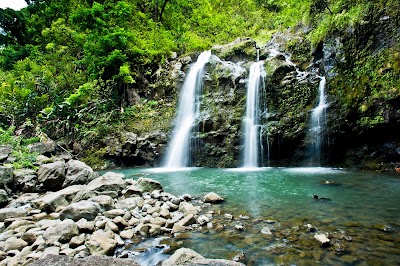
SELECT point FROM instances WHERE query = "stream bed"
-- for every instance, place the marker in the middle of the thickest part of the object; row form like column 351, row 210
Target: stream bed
column 271, row 216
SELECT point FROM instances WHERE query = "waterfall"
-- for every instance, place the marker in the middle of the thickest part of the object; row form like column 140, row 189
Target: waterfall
column 251, row 124
column 317, row 124
column 178, row 151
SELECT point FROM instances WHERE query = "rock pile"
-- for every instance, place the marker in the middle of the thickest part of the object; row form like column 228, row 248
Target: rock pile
column 89, row 216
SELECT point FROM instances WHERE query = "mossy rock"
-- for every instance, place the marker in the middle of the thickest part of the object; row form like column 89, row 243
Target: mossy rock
column 238, row 50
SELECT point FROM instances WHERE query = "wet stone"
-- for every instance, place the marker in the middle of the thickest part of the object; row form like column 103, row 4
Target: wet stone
column 322, row 239
column 384, row 228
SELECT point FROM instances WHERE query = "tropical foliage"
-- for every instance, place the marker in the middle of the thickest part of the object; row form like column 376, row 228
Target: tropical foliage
column 67, row 66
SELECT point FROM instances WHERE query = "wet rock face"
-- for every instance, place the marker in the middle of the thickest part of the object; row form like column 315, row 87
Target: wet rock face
column 222, row 108
column 129, row 149
column 241, row 49
column 288, row 96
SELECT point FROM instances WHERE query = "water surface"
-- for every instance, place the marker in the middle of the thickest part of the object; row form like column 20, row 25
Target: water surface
column 360, row 216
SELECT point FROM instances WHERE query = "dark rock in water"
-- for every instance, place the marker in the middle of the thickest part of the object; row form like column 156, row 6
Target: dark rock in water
column 53, row 260
column 316, row 197
column 384, row 228
column 329, row 182
column 240, row 257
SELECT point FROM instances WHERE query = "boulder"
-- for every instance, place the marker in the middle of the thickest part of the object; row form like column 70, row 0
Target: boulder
column 5, row 150
column 101, row 243
column 86, row 209
column 13, row 243
column 278, row 68
column 188, row 208
column 52, row 175
column 149, row 185
column 6, row 177
column 50, row 202
column 41, row 159
column 130, row 203
column 3, row 198
column 53, row 260
column 50, row 251
column 186, row 256
column 63, row 232
column 47, row 147
column 6, row 213
column 25, row 180
column 212, row 197
column 77, row 241
column 108, row 182
column 106, row 202
column 77, row 173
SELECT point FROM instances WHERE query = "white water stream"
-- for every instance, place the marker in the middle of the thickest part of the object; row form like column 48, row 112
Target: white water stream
column 251, row 124
column 178, row 151
column 317, row 124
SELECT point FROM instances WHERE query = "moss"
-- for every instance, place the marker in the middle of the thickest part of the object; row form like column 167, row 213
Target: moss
column 95, row 158
column 300, row 48
column 237, row 50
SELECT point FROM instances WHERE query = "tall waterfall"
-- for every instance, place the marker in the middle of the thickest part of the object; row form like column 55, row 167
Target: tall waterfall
column 317, row 124
column 178, row 152
column 251, row 124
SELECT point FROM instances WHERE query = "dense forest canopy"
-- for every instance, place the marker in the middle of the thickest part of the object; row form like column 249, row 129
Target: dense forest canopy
column 66, row 66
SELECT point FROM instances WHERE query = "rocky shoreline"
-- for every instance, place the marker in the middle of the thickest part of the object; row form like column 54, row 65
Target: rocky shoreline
column 84, row 215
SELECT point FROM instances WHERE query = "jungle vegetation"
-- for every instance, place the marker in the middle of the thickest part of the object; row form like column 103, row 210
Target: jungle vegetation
column 65, row 66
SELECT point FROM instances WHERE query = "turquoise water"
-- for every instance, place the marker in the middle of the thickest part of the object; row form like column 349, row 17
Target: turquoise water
column 362, row 217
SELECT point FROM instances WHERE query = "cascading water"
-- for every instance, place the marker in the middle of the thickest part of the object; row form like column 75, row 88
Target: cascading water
column 251, row 124
column 317, row 124
column 178, row 152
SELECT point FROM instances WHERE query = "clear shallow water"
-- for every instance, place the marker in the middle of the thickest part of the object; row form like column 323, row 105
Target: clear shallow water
column 363, row 205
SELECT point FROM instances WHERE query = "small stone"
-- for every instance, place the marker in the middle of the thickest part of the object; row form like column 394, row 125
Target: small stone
column 111, row 226
column 228, row 216
column 384, row 228
column 14, row 243
column 338, row 247
column 322, row 239
column 187, row 197
column 127, row 234
column 203, row 219
column 212, row 197
column 68, row 252
column 119, row 240
column 120, row 222
column 178, row 228
column 266, row 231
column 240, row 227
column 29, row 237
column 77, row 241
column 50, row 251
column 239, row 257
column 39, row 216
